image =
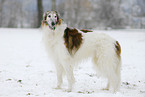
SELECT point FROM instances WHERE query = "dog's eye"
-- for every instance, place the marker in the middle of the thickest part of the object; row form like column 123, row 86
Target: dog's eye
column 49, row 16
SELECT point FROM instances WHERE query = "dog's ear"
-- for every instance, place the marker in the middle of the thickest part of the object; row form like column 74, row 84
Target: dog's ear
column 59, row 20
column 44, row 16
column 57, row 14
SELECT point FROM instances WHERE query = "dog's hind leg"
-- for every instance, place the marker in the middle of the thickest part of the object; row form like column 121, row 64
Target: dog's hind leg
column 115, row 76
column 60, row 71
column 70, row 76
column 108, row 67
column 114, row 81
column 108, row 86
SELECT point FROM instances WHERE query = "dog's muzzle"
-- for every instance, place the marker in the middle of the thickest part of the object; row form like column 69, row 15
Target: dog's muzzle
column 52, row 25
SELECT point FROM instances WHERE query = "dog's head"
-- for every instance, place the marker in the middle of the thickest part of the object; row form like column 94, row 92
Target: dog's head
column 51, row 18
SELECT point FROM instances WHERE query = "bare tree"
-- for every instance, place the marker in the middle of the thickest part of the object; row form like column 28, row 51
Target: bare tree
column 108, row 14
column 79, row 14
column 53, row 6
column 76, row 13
column 1, row 9
column 13, row 12
column 40, row 12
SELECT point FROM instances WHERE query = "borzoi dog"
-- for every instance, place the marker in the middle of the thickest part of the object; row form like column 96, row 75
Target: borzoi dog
column 69, row 46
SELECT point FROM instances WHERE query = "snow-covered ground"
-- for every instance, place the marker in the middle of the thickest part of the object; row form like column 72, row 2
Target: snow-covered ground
column 25, row 69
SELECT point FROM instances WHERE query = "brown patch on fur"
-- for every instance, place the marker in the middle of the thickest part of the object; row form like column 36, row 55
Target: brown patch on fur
column 59, row 21
column 43, row 23
column 85, row 30
column 73, row 40
column 118, row 48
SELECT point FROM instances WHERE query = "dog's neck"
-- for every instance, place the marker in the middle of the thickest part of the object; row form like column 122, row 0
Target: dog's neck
column 57, row 33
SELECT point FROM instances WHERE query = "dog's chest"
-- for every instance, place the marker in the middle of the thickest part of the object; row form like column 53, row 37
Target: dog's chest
column 56, row 45
column 55, row 42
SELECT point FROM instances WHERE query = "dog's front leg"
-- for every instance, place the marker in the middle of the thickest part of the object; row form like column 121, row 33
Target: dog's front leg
column 59, row 70
column 70, row 76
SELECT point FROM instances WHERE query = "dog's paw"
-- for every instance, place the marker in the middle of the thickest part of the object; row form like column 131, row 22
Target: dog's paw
column 106, row 89
column 68, row 90
column 58, row 87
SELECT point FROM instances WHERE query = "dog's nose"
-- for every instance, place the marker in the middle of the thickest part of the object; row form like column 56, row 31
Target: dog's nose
column 52, row 23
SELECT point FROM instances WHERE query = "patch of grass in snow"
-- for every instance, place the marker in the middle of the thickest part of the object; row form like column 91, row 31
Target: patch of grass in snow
column 9, row 79
column 19, row 81
column 86, row 92
column 27, row 65
column 126, row 83
column 28, row 93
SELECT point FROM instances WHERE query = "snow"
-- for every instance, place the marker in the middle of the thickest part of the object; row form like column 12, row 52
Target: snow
column 25, row 69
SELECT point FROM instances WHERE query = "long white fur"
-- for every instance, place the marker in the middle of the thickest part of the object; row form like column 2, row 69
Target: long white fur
column 100, row 47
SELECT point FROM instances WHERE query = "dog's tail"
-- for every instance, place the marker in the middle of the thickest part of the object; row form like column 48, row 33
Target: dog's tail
column 107, row 62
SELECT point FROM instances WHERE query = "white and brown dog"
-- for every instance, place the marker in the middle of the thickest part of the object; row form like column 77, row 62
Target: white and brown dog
column 69, row 46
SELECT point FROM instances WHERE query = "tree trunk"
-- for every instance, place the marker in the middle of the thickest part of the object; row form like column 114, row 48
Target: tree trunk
column 53, row 5
column 40, row 12
column 1, row 9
